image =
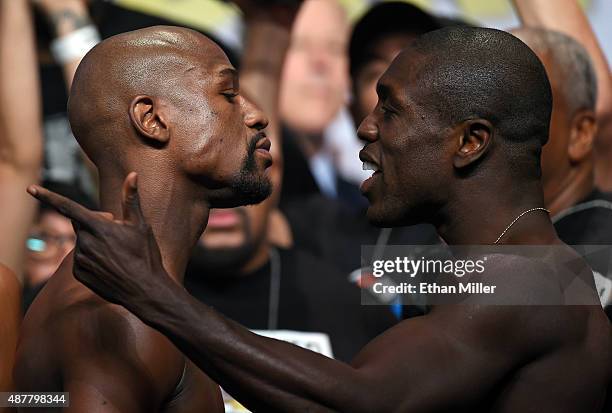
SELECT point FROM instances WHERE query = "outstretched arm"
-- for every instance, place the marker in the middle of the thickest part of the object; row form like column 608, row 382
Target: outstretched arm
column 67, row 17
column 411, row 368
column 566, row 16
column 20, row 130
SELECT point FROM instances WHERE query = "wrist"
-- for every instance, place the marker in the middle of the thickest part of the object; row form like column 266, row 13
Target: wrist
column 72, row 46
column 68, row 18
column 161, row 303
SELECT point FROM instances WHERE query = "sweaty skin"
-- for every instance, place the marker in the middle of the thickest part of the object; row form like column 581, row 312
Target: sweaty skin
column 163, row 102
column 474, row 357
column 10, row 317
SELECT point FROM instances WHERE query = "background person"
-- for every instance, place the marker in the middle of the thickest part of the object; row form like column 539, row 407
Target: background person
column 314, row 87
column 566, row 16
column 582, row 214
column 50, row 239
column 20, row 161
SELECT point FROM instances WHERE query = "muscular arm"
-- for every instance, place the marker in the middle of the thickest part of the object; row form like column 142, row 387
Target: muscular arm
column 20, row 130
column 449, row 358
column 566, row 16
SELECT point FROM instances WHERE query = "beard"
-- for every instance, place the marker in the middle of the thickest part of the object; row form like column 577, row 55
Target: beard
column 220, row 262
column 251, row 186
column 215, row 263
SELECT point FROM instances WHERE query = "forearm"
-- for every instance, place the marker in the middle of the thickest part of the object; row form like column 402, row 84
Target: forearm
column 20, row 117
column 566, row 16
column 264, row 374
column 20, row 130
column 66, row 18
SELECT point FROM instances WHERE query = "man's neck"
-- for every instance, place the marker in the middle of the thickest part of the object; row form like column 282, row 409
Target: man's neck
column 578, row 184
column 175, row 216
column 481, row 218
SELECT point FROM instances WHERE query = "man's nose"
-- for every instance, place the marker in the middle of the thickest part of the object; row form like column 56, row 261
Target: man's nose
column 320, row 60
column 253, row 116
column 368, row 131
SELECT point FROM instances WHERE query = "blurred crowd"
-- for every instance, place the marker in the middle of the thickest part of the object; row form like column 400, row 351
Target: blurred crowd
column 271, row 266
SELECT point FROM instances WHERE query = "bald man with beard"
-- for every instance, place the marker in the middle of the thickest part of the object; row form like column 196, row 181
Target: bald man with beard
column 163, row 102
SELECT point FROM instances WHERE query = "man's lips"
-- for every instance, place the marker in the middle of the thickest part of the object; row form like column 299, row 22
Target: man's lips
column 264, row 143
column 367, row 184
column 223, row 218
column 369, row 163
column 262, row 148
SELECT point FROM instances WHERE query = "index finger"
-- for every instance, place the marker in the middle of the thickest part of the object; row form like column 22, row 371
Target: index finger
column 67, row 207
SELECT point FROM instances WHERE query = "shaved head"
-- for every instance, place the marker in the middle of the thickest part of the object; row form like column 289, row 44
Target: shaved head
column 476, row 72
column 166, row 100
column 152, row 61
column 570, row 65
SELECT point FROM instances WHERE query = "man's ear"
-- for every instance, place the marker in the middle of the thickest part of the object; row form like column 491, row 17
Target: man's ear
column 584, row 129
column 474, row 138
column 148, row 119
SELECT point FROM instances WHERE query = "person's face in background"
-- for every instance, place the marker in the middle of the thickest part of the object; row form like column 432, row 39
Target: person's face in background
column 51, row 239
column 570, row 139
column 555, row 160
column 381, row 53
column 315, row 77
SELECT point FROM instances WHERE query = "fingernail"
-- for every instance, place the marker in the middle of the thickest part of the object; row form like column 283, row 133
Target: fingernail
column 32, row 190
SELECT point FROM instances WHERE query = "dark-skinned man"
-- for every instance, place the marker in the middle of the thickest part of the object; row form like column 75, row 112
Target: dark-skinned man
column 452, row 144
column 581, row 213
column 168, row 105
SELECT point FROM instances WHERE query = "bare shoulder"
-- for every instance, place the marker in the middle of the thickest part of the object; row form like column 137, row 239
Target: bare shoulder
column 69, row 331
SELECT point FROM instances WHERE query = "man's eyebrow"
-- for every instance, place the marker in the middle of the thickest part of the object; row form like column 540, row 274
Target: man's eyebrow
column 382, row 89
column 229, row 71
column 388, row 92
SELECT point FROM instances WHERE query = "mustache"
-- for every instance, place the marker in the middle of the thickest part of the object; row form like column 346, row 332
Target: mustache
column 253, row 142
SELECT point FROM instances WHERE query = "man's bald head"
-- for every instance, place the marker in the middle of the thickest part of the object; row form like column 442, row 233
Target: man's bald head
column 470, row 72
column 165, row 102
column 152, row 61
column 570, row 65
